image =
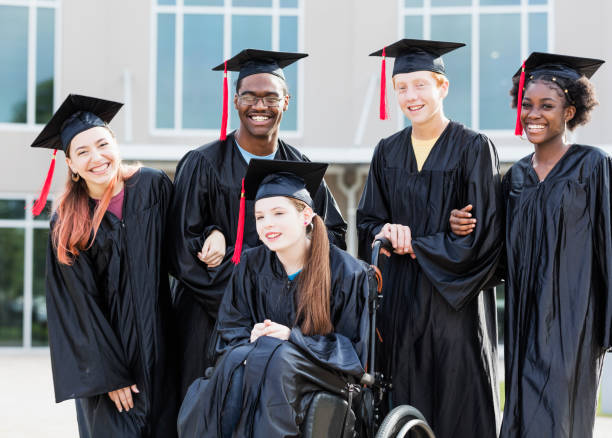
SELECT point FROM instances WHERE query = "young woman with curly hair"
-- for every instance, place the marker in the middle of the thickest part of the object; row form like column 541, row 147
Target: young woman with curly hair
column 558, row 321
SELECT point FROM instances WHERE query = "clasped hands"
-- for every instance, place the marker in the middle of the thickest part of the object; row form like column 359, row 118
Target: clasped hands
column 270, row 328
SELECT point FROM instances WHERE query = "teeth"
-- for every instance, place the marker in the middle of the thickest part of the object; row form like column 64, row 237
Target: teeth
column 532, row 126
column 415, row 107
column 100, row 168
column 260, row 118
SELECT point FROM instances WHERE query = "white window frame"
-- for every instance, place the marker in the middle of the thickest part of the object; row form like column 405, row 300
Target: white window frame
column 33, row 5
column 180, row 9
column 29, row 225
column 475, row 10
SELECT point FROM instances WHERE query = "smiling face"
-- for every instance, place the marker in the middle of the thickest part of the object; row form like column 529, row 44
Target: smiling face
column 420, row 96
column 544, row 112
column 94, row 155
column 259, row 120
column 280, row 226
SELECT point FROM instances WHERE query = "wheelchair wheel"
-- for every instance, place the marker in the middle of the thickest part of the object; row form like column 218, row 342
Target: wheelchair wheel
column 402, row 420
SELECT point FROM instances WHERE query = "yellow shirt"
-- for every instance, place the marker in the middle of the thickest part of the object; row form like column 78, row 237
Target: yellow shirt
column 422, row 148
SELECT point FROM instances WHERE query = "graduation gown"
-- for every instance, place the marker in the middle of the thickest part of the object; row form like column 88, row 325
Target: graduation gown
column 108, row 316
column 558, row 293
column 265, row 387
column 438, row 329
column 206, row 197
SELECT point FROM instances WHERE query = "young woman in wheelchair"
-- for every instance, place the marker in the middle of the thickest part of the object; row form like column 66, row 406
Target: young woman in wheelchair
column 294, row 319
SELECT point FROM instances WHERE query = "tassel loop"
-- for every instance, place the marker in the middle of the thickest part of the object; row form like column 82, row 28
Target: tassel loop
column 240, row 228
column 40, row 203
column 384, row 114
column 224, row 116
column 518, row 130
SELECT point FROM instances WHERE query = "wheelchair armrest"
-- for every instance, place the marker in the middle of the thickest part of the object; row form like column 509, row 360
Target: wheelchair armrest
column 325, row 417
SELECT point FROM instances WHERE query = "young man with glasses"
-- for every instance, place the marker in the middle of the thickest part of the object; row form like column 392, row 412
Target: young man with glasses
column 210, row 212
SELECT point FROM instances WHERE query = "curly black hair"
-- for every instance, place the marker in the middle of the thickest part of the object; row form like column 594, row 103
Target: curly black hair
column 581, row 91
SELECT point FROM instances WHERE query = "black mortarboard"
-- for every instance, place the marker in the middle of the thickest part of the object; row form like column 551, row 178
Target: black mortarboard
column 567, row 67
column 294, row 179
column 412, row 55
column 266, row 178
column 418, row 55
column 562, row 69
column 253, row 61
column 250, row 62
column 76, row 114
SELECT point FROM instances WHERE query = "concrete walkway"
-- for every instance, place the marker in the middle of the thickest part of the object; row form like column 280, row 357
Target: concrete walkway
column 28, row 409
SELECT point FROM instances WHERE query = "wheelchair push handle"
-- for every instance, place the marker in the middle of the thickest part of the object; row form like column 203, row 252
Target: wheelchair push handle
column 367, row 379
column 380, row 244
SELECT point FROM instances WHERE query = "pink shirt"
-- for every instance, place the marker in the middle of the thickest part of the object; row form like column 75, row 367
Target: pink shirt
column 115, row 205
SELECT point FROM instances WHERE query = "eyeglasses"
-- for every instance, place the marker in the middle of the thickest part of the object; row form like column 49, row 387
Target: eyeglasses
column 269, row 101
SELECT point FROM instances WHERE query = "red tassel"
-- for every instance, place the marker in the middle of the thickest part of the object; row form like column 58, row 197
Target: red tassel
column 39, row 205
column 384, row 115
column 224, row 116
column 240, row 230
column 518, row 130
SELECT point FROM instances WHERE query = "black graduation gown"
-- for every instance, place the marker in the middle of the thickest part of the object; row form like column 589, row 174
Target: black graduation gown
column 438, row 329
column 267, row 386
column 207, row 197
column 108, row 318
column 558, row 293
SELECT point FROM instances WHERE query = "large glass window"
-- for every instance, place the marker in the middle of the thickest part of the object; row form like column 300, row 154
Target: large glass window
column 498, row 35
column 192, row 36
column 23, row 246
column 27, row 51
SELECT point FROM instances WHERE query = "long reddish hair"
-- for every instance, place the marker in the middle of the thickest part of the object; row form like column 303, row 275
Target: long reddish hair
column 314, row 283
column 75, row 228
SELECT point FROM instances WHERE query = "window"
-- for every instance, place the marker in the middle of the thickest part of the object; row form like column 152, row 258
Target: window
column 193, row 36
column 498, row 34
column 28, row 70
column 23, row 246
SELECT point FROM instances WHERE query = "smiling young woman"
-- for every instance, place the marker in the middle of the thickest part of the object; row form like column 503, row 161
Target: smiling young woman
column 558, row 242
column 559, row 256
column 293, row 320
column 108, row 297
column 95, row 172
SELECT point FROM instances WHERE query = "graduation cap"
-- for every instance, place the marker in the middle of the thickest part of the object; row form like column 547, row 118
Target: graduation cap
column 268, row 178
column 76, row 114
column 412, row 55
column 561, row 69
column 250, row 62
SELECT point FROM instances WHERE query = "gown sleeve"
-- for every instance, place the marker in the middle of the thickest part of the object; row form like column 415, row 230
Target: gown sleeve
column 87, row 358
column 236, row 318
column 327, row 208
column 189, row 224
column 459, row 266
column 373, row 211
column 345, row 349
column 601, row 210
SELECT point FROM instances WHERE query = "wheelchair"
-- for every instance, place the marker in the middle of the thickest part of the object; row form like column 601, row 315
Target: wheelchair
column 331, row 415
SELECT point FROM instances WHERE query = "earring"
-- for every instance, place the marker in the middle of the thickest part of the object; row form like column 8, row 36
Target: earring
column 306, row 223
column 75, row 177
